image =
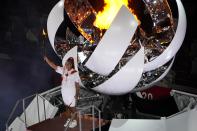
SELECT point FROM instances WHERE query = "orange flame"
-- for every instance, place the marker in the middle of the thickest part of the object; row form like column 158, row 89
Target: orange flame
column 105, row 17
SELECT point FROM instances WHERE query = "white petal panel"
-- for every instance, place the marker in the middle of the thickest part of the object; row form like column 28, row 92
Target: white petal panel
column 126, row 78
column 176, row 43
column 157, row 80
column 55, row 18
column 114, row 43
column 112, row 47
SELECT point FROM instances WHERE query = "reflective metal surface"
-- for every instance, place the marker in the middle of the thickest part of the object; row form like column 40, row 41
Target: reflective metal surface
column 159, row 43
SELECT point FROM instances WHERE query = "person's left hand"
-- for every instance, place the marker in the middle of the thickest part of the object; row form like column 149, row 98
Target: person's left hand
column 45, row 58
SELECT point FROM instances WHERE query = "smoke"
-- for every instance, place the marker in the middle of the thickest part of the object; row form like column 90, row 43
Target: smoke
column 25, row 73
column 22, row 76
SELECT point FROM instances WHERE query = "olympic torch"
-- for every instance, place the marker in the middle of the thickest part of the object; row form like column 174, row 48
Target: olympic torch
column 44, row 36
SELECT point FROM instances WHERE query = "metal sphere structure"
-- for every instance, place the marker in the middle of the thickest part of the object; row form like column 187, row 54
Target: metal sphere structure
column 127, row 54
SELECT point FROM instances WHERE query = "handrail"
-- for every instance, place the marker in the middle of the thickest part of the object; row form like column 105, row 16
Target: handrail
column 93, row 96
column 12, row 112
column 29, row 96
column 178, row 113
column 46, row 92
column 96, row 108
column 15, row 107
column 49, row 92
column 24, row 108
column 184, row 93
column 84, row 108
column 12, row 128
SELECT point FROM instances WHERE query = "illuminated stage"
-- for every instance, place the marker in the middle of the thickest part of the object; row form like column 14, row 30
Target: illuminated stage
column 127, row 55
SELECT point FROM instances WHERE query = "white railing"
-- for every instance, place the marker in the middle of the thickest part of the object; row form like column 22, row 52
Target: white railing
column 38, row 109
column 183, row 93
column 176, row 114
column 187, row 108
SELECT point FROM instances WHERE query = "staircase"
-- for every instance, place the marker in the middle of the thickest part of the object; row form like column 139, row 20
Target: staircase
column 43, row 111
column 29, row 111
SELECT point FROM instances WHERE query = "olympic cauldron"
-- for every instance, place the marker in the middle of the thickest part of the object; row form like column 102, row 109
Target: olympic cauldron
column 120, row 46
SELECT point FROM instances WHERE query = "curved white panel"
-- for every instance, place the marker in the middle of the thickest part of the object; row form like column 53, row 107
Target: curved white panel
column 112, row 47
column 175, row 43
column 126, row 78
column 158, row 79
column 72, row 53
column 138, row 125
column 55, row 18
column 114, row 43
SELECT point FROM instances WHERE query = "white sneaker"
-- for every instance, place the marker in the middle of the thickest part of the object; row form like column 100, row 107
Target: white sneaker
column 66, row 124
column 73, row 124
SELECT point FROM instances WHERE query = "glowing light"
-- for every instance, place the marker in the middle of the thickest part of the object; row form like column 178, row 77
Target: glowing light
column 44, row 33
column 105, row 17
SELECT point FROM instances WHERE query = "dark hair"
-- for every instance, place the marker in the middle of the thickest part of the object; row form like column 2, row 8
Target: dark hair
column 71, row 61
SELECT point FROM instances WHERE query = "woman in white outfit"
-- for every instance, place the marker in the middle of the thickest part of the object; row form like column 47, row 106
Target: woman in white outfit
column 70, row 85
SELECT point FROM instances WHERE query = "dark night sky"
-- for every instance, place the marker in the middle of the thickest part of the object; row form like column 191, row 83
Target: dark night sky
column 24, row 71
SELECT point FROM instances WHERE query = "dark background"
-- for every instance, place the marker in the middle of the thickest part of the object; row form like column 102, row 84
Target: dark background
column 23, row 71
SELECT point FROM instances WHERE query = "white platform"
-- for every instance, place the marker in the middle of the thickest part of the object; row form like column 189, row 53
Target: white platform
column 186, row 121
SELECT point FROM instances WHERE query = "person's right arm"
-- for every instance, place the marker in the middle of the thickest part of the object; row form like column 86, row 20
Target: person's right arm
column 50, row 63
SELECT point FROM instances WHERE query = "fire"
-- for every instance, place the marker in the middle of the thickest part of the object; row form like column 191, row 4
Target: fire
column 105, row 17
column 43, row 32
